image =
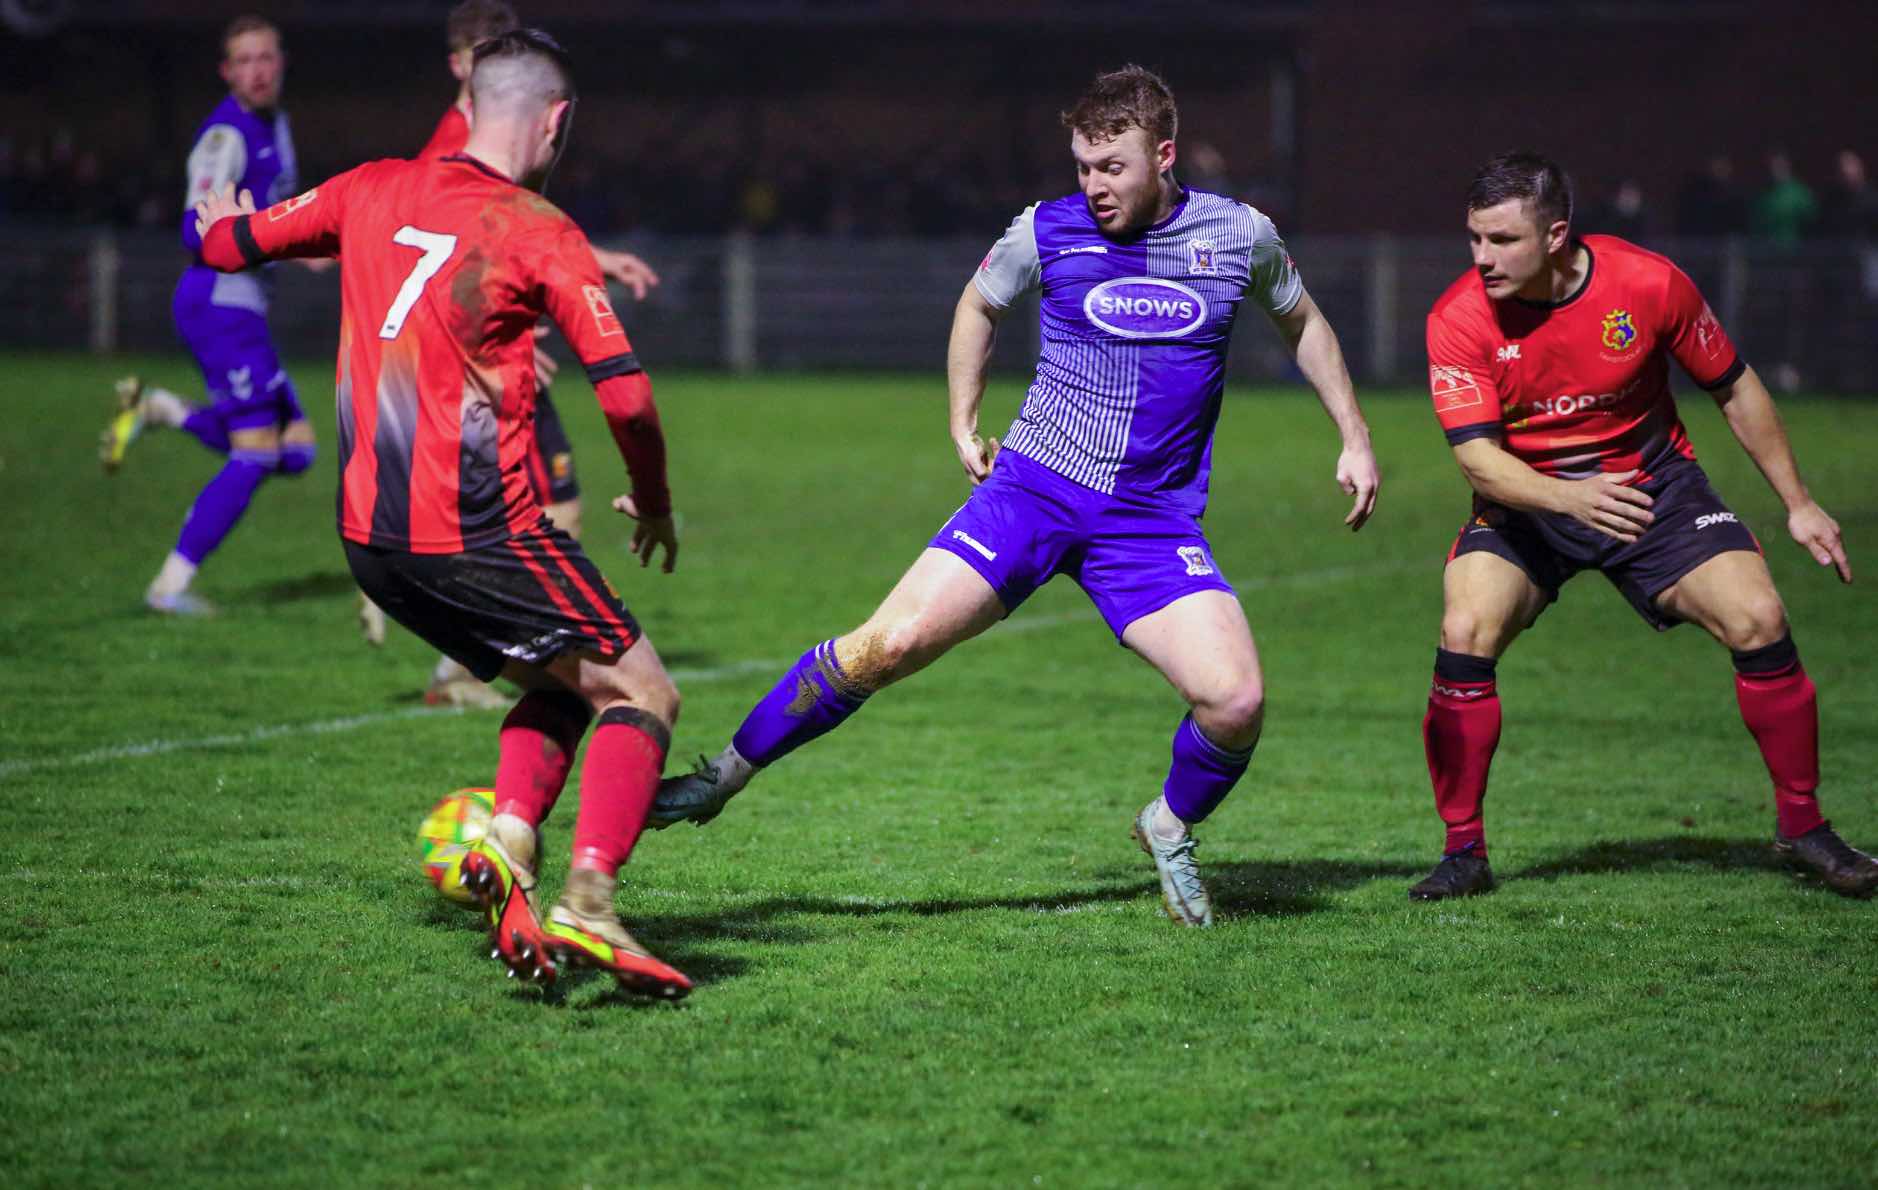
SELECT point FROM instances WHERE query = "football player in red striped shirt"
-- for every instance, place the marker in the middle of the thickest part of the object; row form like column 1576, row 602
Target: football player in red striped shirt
column 551, row 468
column 446, row 266
column 1549, row 366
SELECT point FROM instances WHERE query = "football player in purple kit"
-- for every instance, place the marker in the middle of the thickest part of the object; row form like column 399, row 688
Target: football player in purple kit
column 1103, row 476
column 253, row 417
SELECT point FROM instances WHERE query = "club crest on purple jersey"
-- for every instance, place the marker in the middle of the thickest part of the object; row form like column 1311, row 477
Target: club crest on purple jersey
column 1144, row 308
column 1200, row 254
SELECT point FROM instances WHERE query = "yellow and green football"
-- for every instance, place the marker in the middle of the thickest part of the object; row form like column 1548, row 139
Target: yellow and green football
column 450, row 829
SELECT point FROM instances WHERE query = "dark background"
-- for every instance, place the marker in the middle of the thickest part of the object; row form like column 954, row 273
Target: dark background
column 876, row 117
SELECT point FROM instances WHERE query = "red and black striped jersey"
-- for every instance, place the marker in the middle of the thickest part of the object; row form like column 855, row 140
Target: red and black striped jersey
column 446, row 266
column 1578, row 386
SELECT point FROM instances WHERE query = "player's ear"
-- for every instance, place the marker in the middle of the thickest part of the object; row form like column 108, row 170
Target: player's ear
column 1164, row 156
column 1557, row 236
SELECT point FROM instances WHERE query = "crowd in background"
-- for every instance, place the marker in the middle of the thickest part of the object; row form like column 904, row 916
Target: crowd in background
column 678, row 187
column 1781, row 209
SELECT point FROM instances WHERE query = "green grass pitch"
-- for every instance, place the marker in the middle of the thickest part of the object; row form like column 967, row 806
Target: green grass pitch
column 927, row 952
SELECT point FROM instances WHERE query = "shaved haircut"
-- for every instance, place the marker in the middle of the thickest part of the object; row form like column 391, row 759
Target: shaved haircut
column 518, row 73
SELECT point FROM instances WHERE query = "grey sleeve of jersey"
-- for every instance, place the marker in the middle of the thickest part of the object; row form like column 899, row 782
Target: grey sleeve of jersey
column 219, row 158
column 1275, row 284
column 1011, row 269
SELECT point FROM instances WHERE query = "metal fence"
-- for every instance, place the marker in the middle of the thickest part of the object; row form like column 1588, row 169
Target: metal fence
column 1805, row 316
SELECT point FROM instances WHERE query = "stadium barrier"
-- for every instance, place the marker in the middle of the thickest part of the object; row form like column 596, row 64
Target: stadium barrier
column 1804, row 315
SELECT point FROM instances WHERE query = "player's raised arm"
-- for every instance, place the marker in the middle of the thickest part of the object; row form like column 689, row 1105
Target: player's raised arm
column 235, row 236
column 575, row 294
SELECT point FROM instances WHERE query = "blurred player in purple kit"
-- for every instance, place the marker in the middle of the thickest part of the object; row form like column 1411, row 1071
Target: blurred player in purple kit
column 253, row 416
column 1103, row 476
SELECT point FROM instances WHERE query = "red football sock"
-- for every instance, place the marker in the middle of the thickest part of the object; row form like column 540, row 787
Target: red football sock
column 539, row 737
column 1781, row 709
column 617, row 782
column 1459, row 734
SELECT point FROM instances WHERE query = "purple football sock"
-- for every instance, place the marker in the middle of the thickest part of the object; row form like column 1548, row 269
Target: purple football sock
column 222, row 502
column 1202, row 773
column 812, row 699
column 207, row 429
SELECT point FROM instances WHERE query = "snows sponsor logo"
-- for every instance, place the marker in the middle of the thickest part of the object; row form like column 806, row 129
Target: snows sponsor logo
column 283, row 209
column 1506, row 353
column 1453, row 388
column 1145, row 308
column 1715, row 518
column 1195, row 558
column 605, row 322
column 968, row 539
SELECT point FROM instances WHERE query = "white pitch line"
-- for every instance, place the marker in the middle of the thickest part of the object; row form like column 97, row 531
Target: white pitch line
column 714, row 673
column 274, row 731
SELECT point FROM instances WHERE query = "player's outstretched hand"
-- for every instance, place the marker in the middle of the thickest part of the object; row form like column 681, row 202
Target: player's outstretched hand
column 650, row 534
column 627, row 269
column 1606, row 504
column 977, row 455
column 1358, row 476
column 223, row 205
column 1819, row 533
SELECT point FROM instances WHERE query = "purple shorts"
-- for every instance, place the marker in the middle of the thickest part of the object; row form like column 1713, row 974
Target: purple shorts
column 248, row 389
column 1692, row 525
column 1026, row 524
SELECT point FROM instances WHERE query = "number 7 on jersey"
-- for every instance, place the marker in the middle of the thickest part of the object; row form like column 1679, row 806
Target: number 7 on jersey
column 436, row 248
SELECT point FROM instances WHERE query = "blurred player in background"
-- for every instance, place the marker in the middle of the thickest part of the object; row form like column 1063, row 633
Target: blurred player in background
column 1103, row 476
column 446, row 266
column 253, row 417
column 551, row 468
column 1549, row 365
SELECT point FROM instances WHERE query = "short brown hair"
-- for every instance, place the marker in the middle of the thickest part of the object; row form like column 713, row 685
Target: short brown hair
column 1132, row 97
column 476, row 21
column 248, row 23
column 1529, row 177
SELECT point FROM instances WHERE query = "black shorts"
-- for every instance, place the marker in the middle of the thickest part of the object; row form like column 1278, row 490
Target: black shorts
column 528, row 598
column 1692, row 525
column 551, row 468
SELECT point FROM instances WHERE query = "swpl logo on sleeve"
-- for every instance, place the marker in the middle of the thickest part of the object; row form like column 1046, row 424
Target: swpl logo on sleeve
column 605, row 322
column 1453, row 388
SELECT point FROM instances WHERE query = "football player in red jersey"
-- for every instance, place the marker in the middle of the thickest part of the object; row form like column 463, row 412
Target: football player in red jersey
column 446, row 267
column 1549, row 366
column 551, row 468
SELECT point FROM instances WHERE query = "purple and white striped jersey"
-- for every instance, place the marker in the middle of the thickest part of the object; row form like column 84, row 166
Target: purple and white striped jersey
column 1134, row 337
column 253, row 151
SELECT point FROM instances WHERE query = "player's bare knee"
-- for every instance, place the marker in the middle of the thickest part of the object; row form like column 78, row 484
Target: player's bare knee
column 255, row 439
column 1757, row 622
column 874, row 656
column 660, row 697
column 1235, row 715
column 1464, row 631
